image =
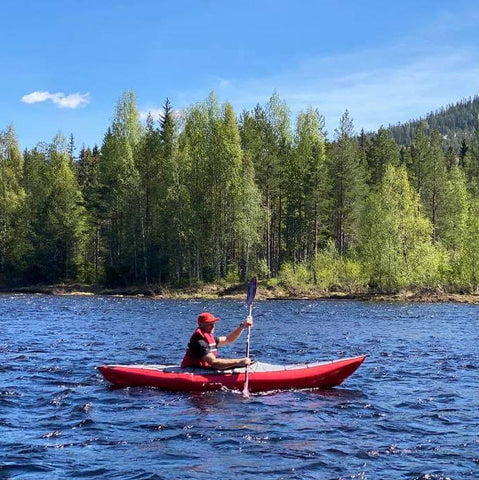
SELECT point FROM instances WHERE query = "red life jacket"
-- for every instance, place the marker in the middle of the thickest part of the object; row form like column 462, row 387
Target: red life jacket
column 189, row 360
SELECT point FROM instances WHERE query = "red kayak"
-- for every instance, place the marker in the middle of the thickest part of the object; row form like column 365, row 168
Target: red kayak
column 263, row 377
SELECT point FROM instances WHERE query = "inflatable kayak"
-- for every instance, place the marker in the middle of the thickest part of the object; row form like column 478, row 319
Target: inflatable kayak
column 262, row 376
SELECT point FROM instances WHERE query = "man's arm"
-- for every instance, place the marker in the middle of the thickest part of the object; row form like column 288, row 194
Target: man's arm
column 225, row 363
column 236, row 333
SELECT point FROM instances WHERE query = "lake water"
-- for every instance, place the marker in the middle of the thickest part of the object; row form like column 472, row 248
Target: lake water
column 409, row 412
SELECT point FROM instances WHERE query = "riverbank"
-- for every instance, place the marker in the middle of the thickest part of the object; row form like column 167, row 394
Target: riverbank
column 237, row 292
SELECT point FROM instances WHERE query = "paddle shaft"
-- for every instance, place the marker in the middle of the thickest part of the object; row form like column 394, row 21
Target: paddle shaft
column 249, row 333
column 249, row 301
column 246, row 379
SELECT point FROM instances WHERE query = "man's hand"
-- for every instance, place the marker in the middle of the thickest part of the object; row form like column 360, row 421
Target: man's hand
column 248, row 322
column 224, row 363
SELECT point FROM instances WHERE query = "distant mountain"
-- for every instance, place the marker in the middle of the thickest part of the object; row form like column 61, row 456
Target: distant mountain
column 455, row 122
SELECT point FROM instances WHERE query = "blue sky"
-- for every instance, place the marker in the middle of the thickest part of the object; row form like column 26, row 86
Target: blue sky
column 64, row 64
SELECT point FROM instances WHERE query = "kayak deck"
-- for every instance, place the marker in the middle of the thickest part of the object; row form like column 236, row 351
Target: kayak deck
column 261, row 376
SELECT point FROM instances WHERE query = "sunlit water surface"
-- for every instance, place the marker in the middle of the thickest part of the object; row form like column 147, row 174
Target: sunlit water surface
column 409, row 412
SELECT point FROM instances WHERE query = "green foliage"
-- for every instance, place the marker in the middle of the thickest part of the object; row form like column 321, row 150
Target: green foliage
column 266, row 138
column 305, row 189
column 12, row 201
column 429, row 266
column 201, row 196
column 119, row 181
column 347, row 176
column 55, row 216
column 456, row 123
column 296, row 275
column 395, row 234
column 381, row 151
column 333, row 271
column 260, row 269
column 464, row 273
column 453, row 221
column 328, row 271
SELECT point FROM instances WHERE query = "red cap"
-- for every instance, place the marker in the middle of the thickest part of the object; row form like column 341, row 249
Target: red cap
column 206, row 317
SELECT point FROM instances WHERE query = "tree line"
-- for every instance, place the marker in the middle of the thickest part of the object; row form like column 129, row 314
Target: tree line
column 457, row 123
column 205, row 195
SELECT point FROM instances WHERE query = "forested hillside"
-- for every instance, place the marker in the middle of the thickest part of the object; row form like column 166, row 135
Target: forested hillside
column 457, row 123
column 207, row 195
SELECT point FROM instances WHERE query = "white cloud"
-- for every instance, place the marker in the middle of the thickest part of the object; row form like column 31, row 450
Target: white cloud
column 154, row 112
column 73, row 100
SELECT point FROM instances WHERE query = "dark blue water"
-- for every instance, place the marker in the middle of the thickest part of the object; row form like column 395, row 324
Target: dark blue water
column 409, row 412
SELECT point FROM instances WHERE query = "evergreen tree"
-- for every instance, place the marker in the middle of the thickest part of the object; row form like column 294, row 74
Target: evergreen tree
column 470, row 161
column 193, row 155
column 463, row 153
column 249, row 221
column 71, row 148
column 420, row 158
column 56, row 222
column 267, row 139
column 87, row 173
column 280, row 148
column 434, row 183
column 151, row 172
column 176, row 215
column 305, row 189
column 348, row 180
column 471, row 246
column 380, row 152
column 119, row 192
column 12, row 197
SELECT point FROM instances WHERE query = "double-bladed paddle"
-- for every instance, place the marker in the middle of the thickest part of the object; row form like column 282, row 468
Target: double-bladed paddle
column 252, row 285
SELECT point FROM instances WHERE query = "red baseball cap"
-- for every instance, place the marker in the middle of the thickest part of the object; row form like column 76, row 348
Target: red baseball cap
column 207, row 317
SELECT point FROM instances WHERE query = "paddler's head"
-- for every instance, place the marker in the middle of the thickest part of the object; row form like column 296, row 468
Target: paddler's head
column 206, row 321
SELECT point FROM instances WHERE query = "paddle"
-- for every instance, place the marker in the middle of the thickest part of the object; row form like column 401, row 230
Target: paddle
column 249, row 301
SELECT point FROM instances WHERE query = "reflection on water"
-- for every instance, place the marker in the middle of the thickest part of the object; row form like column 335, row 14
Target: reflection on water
column 409, row 412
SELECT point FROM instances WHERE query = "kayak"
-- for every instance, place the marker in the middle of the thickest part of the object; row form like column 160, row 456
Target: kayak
column 263, row 377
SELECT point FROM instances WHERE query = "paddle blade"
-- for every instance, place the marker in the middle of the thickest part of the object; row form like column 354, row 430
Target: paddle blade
column 252, row 285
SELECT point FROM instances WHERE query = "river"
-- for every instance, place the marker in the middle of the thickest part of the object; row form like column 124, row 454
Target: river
column 410, row 412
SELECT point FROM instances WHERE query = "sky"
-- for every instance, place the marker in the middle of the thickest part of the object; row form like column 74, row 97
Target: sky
column 64, row 64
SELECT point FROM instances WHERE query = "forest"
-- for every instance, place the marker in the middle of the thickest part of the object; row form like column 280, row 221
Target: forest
column 206, row 195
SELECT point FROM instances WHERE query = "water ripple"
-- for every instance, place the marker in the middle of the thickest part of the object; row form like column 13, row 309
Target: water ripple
column 409, row 413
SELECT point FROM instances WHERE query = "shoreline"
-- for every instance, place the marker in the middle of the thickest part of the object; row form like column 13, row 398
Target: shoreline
column 238, row 292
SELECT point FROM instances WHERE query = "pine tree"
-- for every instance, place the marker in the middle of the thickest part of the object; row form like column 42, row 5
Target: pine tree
column 305, row 190
column 119, row 187
column 12, row 198
column 176, row 216
column 56, row 221
column 348, row 180
column 71, row 148
column 266, row 137
column 420, row 158
column 470, row 161
column 380, row 152
column 193, row 155
column 87, row 173
column 434, row 183
column 151, row 172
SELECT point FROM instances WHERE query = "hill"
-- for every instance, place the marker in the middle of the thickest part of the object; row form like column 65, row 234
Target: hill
column 456, row 122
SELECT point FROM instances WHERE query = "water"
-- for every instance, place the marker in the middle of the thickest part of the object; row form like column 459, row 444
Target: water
column 409, row 412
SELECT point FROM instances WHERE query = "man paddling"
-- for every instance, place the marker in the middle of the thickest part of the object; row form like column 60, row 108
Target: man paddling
column 202, row 347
